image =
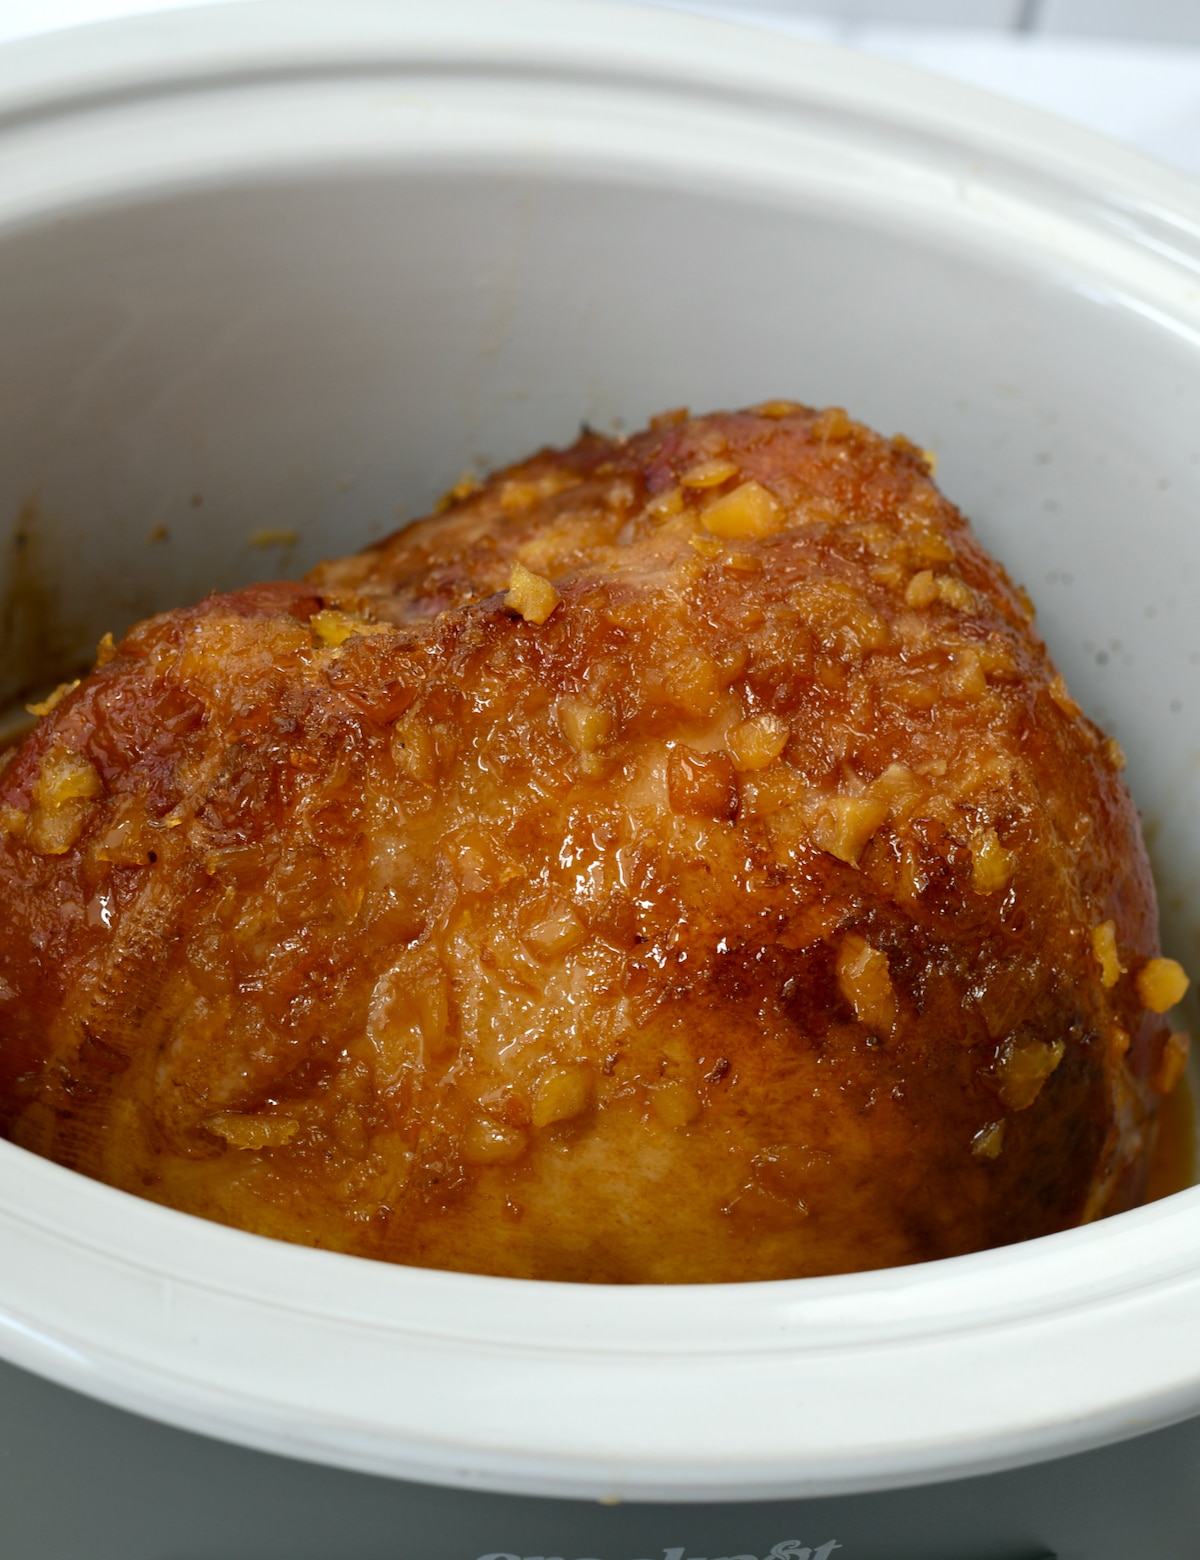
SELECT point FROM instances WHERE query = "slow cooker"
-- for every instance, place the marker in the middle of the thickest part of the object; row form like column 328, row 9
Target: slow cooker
column 271, row 276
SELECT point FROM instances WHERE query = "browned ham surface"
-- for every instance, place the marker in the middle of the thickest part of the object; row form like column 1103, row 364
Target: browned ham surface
column 676, row 860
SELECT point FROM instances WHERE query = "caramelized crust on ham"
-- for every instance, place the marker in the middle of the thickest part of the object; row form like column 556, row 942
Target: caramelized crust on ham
column 676, row 860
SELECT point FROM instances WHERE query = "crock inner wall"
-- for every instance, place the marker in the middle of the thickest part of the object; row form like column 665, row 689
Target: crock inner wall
column 222, row 320
column 195, row 378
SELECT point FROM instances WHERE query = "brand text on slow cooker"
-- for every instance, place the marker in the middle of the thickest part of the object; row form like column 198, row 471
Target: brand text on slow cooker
column 786, row 1549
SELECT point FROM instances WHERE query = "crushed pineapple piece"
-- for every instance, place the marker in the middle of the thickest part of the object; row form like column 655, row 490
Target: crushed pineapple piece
column 833, row 423
column 749, row 511
column 669, row 502
column 53, row 700
column 1057, row 689
column 252, row 1132
column 105, row 650
column 334, row 627
column 776, row 409
column 991, row 864
column 562, row 1093
column 1023, row 1066
column 1172, row 1062
column 708, row 473
column 921, row 590
column 899, row 788
column 1104, row 946
column 531, row 595
column 988, row 1141
column 674, row 1103
column 695, row 683
column 926, row 543
column 996, row 658
column 515, row 495
column 864, row 979
column 968, row 679
column 12, row 820
column 1113, row 754
column 585, row 726
column 926, row 587
column 955, row 593
column 467, row 485
column 65, row 784
column 846, row 823
column 840, row 618
column 1161, row 983
column 65, row 779
column 520, row 493
column 755, row 743
column 917, row 695
column 890, row 574
column 488, row 1142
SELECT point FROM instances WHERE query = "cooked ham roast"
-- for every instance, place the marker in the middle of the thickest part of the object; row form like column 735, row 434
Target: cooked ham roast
column 675, row 860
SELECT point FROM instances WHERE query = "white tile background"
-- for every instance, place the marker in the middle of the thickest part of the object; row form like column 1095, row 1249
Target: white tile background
column 1129, row 68
column 1145, row 21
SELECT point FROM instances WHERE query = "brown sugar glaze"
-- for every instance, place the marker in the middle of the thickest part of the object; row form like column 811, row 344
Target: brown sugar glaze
column 676, row 860
column 1173, row 1157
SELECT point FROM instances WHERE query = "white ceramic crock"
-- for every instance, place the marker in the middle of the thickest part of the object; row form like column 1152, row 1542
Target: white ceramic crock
column 289, row 269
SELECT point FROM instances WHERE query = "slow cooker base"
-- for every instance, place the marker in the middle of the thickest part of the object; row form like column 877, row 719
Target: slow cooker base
column 82, row 1481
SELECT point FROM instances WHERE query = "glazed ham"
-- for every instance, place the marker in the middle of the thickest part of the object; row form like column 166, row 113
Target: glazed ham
column 676, row 860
